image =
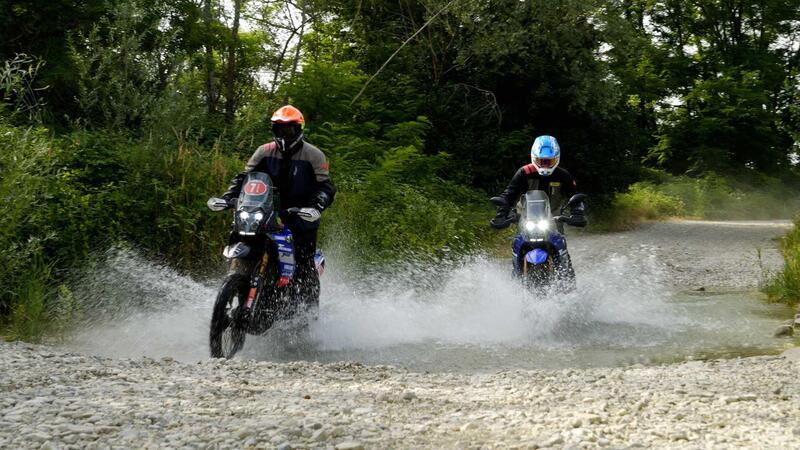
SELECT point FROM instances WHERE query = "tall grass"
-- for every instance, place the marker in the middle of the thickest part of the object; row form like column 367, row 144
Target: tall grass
column 785, row 286
column 67, row 196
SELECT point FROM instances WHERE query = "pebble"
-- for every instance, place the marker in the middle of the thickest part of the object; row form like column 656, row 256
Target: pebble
column 784, row 331
column 408, row 395
column 350, row 445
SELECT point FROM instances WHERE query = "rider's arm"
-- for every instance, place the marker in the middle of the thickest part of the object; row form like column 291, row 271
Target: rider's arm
column 577, row 215
column 518, row 185
column 325, row 190
column 236, row 182
column 568, row 185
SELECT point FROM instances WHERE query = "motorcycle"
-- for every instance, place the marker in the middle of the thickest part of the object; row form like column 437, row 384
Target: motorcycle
column 260, row 288
column 539, row 250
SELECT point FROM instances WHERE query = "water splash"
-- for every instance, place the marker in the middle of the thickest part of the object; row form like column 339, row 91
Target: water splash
column 470, row 316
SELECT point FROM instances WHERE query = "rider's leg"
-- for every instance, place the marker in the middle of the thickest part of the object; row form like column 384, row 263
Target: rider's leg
column 306, row 276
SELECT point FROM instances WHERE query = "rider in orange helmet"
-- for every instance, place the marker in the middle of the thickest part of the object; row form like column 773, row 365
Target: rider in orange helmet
column 300, row 172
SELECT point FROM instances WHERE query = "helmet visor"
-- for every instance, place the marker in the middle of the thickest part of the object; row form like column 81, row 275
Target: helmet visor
column 286, row 131
column 545, row 163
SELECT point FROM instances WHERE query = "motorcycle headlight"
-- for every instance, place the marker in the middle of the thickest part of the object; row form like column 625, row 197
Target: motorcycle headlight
column 541, row 225
column 258, row 216
column 244, row 215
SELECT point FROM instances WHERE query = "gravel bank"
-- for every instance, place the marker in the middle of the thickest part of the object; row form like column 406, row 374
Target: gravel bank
column 52, row 399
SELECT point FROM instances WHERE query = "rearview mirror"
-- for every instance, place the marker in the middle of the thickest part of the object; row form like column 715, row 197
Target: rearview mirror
column 575, row 199
column 217, row 204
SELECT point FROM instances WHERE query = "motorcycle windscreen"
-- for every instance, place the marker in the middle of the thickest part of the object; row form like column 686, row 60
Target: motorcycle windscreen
column 255, row 203
column 537, row 205
column 535, row 218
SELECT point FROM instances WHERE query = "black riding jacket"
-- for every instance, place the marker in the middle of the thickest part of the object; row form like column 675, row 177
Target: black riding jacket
column 559, row 185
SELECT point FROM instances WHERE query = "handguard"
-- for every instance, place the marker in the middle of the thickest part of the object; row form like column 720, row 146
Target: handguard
column 307, row 214
column 505, row 217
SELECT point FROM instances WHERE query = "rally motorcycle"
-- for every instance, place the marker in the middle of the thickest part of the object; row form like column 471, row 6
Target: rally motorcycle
column 539, row 250
column 260, row 288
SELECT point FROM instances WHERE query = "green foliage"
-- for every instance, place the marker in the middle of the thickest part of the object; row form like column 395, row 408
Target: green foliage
column 785, row 286
column 18, row 97
column 393, row 213
column 713, row 197
column 67, row 197
column 642, row 201
column 29, row 316
column 117, row 83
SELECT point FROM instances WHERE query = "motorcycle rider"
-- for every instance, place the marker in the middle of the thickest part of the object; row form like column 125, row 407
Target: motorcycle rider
column 299, row 170
column 542, row 174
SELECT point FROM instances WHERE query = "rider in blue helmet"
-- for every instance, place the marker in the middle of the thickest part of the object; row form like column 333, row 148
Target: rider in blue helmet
column 543, row 174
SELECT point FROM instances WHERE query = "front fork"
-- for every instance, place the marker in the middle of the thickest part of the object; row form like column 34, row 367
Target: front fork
column 256, row 283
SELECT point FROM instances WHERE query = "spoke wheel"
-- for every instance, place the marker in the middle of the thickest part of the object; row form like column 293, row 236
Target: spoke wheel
column 227, row 332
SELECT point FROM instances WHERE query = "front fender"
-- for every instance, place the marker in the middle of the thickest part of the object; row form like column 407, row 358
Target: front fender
column 537, row 256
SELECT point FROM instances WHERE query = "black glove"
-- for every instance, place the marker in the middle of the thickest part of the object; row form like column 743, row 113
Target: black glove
column 235, row 188
column 577, row 216
column 502, row 220
column 504, row 217
column 577, row 220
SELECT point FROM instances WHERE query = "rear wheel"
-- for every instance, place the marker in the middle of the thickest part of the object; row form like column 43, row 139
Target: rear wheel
column 227, row 322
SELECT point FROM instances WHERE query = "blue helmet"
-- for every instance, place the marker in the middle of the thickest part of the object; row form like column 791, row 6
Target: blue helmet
column 545, row 154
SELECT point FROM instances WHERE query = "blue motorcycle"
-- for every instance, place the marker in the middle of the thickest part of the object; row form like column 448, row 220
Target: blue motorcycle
column 260, row 288
column 539, row 250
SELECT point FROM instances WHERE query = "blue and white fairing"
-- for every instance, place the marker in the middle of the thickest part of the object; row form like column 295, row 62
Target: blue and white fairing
column 285, row 243
column 538, row 239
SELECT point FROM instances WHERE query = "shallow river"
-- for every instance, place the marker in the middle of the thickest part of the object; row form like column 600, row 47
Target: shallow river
column 473, row 317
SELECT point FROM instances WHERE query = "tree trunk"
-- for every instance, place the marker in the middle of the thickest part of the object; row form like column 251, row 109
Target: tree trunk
column 279, row 65
column 297, row 51
column 230, row 85
column 211, row 94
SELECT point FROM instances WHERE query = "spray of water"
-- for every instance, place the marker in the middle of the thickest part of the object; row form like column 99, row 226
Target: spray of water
column 469, row 316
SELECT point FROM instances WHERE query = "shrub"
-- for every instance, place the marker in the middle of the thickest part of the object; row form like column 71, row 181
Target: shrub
column 642, row 201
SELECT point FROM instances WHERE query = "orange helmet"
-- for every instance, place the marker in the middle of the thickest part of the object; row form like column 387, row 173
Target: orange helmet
column 288, row 114
column 287, row 128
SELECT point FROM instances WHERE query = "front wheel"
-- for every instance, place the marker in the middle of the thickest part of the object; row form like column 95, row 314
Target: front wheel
column 538, row 276
column 227, row 324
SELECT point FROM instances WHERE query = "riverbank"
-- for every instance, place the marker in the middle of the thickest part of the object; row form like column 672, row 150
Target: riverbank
column 53, row 399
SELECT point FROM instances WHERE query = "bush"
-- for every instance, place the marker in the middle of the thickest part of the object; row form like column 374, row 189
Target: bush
column 642, row 201
column 65, row 197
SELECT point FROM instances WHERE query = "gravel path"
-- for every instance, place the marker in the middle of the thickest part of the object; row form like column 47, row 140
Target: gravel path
column 59, row 400
column 727, row 255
